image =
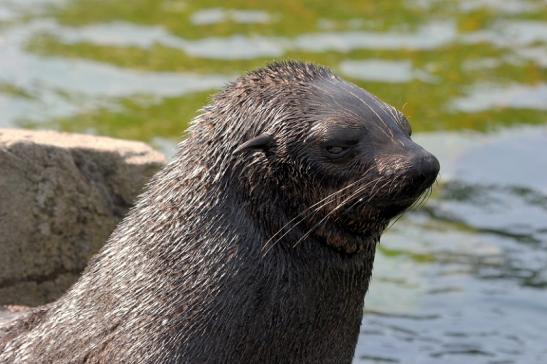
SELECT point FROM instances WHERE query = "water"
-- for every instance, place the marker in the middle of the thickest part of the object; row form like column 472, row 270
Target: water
column 465, row 279
column 461, row 280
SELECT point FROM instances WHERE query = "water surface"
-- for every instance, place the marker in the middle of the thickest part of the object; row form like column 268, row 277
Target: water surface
column 461, row 280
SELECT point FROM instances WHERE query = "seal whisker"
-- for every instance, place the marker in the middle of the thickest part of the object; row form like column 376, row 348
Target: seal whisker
column 318, row 209
column 323, row 202
column 373, row 192
column 415, row 205
column 340, row 205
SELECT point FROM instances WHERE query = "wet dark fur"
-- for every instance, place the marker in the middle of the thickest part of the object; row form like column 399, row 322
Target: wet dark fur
column 193, row 275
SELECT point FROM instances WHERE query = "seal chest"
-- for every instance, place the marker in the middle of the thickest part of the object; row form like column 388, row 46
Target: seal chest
column 255, row 243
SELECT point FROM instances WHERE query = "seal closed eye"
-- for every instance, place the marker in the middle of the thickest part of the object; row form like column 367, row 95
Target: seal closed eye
column 254, row 244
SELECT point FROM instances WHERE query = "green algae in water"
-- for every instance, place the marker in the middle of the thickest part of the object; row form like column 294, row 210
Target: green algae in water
column 451, row 48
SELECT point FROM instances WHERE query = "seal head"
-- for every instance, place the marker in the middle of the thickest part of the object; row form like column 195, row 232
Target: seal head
column 344, row 158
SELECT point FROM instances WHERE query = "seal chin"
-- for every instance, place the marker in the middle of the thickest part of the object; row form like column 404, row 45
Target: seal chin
column 359, row 228
column 390, row 210
column 351, row 239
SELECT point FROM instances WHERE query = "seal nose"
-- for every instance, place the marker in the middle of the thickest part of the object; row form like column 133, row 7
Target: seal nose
column 426, row 168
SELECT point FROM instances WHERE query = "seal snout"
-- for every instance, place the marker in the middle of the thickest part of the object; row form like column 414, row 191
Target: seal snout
column 411, row 171
column 424, row 170
column 414, row 164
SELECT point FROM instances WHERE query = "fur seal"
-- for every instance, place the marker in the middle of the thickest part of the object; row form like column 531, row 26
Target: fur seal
column 254, row 244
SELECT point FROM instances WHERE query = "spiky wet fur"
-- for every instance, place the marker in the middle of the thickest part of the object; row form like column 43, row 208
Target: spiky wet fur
column 184, row 277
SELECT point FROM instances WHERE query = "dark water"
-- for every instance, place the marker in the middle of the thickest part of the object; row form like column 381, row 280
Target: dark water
column 461, row 280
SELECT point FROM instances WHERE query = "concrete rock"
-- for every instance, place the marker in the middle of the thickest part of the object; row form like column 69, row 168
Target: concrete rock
column 61, row 195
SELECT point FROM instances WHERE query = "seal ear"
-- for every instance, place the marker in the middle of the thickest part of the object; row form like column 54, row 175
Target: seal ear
column 262, row 141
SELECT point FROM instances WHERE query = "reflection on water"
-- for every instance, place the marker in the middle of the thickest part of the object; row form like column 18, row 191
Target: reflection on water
column 484, row 97
column 383, row 71
column 54, row 87
column 239, row 46
column 253, row 46
column 461, row 280
column 506, row 6
column 511, row 33
column 426, row 37
column 219, row 15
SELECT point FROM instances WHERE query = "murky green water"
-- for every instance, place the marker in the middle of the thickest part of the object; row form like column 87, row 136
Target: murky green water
column 463, row 280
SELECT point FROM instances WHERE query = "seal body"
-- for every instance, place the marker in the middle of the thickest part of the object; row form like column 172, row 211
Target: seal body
column 255, row 244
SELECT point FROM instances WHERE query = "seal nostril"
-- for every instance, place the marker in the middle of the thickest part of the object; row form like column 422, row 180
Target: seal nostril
column 425, row 168
column 430, row 165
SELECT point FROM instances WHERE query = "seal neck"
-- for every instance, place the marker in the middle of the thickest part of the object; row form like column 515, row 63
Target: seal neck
column 280, row 307
column 298, row 303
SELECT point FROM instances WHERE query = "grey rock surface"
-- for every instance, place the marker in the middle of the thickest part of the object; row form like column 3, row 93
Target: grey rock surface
column 61, row 195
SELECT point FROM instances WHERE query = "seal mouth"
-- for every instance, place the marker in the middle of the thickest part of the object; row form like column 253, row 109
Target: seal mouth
column 391, row 209
column 360, row 226
column 346, row 239
column 355, row 230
